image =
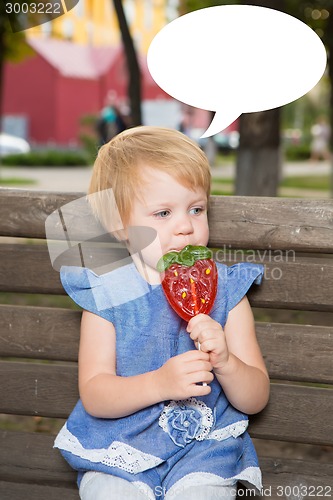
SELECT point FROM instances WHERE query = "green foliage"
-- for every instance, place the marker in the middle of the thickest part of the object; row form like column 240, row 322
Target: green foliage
column 191, row 5
column 90, row 146
column 317, row 182
column 13, row 45
column 297, row 152
column 15, row 181
column 48, row 158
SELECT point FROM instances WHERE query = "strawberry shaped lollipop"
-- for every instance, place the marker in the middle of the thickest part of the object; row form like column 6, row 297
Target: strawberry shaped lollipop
column 190, row 280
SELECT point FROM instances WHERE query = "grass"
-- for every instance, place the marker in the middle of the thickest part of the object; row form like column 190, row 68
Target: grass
column 316, row 182
column 222, row 159
column 16, row 181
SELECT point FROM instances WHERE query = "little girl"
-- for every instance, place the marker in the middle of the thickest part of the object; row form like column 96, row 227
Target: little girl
column 157, row 417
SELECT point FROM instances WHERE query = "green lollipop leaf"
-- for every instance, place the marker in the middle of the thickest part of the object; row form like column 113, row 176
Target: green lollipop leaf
column 165, row 262
column 186, row 257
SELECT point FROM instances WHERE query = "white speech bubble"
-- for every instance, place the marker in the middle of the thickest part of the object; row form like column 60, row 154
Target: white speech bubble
column 236, row 59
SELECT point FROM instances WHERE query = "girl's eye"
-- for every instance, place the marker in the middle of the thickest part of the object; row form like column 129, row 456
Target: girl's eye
column 162, row 214
column 196, row 210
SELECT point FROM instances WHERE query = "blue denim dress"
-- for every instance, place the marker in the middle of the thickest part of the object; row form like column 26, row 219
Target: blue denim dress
column 166, row 442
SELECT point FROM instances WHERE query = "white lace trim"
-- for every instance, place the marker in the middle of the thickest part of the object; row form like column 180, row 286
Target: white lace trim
column 250, row 475
column 207, row 418
column 232, row 430
column 118, row 454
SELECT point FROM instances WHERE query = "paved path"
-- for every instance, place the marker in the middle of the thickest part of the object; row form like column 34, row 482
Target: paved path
column 77, row 179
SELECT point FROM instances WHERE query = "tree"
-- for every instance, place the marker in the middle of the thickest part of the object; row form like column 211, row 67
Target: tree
column 258, row 159
column 134, row 74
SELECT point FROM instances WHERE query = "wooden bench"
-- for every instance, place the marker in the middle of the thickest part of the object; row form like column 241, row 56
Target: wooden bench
column 38, row 345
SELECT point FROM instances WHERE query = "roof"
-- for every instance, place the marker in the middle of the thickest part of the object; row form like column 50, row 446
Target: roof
column 73, row 60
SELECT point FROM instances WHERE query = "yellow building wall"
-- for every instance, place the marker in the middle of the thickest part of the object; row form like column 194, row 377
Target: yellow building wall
column 94, row 22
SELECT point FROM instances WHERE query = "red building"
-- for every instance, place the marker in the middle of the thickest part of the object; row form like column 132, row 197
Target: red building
column 61, row 83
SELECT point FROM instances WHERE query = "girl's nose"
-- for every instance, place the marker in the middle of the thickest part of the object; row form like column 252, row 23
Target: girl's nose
column 184, row 225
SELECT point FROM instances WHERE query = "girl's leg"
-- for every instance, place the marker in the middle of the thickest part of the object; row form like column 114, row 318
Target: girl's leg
column 203, row 492
column 99, row 486
column 193, row 487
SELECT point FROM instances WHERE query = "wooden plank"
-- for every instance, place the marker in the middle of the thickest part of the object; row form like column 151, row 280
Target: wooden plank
column 271, row 223
column 296, row 413
column 50, row 390
column 30, row 457
column 243, row 222
column 27, row 269
column 23, row 212
column 38, row 389
column 44, row 466
column 296, row 283
column 300, row 353
column 23, row 491
column 39, row 332
column 289, row 478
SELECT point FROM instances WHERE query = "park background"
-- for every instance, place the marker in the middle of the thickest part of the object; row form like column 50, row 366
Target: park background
column 56, row 78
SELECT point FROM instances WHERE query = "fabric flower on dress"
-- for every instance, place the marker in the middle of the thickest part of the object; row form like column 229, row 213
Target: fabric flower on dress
column 186, row 420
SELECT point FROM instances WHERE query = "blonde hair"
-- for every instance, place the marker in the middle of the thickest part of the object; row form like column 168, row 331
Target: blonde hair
column 117, row 174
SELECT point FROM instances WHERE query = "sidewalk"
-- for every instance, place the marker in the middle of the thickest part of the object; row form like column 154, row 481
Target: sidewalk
column 228, row 170
column 77, row 179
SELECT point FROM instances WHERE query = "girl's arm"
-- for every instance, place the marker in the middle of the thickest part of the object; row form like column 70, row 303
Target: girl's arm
column 244, row 378
column 106, row 395
column 235, row 356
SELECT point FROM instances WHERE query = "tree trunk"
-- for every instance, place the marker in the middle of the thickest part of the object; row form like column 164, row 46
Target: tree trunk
column 329, row 45
column 258, row 164
column 134, row 74
column 2, row 57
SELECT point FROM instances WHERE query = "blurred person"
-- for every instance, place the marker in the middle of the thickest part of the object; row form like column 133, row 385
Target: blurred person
column 186, row 123
column 111, row 121
column 321, row 133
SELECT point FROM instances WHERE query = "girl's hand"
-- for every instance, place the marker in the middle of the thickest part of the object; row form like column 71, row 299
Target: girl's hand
column 202, row 328
column 179, row 377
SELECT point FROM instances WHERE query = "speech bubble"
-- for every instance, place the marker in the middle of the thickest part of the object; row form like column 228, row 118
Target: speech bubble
column 236, row 59
column 24, row 15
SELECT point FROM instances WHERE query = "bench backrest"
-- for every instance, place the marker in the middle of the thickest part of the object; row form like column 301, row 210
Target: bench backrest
column 292, row 237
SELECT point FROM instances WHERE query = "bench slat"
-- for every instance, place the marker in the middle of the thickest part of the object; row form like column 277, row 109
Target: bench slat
column 305, row 283
column 50, row 390
column 272, row 223
column 39, row 332
column 243, row 222
column 288, row 478
column 23, row 213
column 296, row 413
column 300, row 353
column 23, row 491
column 44, row 465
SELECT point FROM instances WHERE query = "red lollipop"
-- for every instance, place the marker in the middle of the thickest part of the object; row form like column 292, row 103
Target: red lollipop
column 190, row 280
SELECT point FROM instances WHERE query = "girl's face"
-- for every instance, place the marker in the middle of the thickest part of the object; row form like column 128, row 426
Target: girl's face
column 176, row 213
